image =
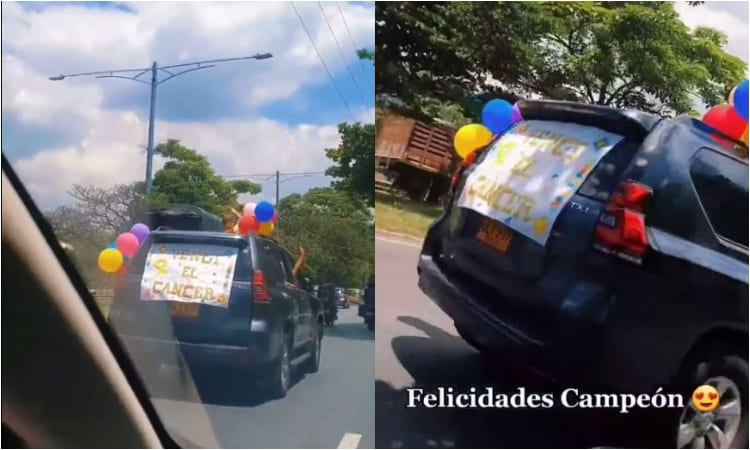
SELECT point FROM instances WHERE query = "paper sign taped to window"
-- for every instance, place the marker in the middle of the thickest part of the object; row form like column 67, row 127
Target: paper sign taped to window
column 194, row 273
column 530, row 173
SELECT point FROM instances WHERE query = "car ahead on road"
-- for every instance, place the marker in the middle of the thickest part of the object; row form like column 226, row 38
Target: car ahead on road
column 642, row 283
column 218, row 301
column 341, row 300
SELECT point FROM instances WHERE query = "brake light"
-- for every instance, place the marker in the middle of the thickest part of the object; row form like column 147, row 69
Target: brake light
column 621, row 230
column 464, row 164
column 260, row 288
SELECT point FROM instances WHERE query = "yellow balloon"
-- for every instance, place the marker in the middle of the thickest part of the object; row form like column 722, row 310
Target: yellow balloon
column 470, row 138
column 110, row 260
column 267, row 229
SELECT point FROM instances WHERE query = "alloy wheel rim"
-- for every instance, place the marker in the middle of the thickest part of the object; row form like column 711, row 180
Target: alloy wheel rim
column 716, row 429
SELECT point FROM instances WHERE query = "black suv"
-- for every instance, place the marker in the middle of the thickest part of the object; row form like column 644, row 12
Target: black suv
column 268, row 325
column 642, row 283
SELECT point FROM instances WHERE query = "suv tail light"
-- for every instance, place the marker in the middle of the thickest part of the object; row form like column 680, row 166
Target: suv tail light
column 621, row 230
column 260, row 288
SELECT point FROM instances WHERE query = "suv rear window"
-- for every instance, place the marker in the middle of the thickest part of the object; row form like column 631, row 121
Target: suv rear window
column 721, row 184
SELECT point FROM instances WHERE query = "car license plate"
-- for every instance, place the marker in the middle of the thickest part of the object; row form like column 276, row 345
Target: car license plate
column 495, row 235
column 182, row 309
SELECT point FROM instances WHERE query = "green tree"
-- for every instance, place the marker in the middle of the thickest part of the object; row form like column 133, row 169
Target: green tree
column 188, row 178
column 355, row 161
column 624, row 54
column 336, row 230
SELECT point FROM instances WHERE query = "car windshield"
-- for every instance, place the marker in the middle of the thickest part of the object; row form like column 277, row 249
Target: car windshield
column 198, row 210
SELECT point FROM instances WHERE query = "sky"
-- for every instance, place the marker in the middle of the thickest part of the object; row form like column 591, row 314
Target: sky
column 247, row 117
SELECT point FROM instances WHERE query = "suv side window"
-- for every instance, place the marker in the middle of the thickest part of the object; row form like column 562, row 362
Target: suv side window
column 722, row 186
column 288, row 266
column 270, row 263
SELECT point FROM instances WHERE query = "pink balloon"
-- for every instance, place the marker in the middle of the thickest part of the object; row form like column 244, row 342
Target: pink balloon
column 128, row 244
column 248, row 209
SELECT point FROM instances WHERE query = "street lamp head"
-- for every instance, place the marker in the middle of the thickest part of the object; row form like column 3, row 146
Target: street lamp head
column 57, row 78
column 263, row 56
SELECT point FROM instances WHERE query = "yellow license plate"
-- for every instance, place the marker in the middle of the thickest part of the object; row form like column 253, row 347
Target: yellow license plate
column 182, row 309
column 495, row 235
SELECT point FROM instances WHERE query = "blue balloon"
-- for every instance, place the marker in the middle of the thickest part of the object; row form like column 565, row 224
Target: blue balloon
column 497, row 115
column 742, row 100
column 264, row 212
column 113, row 245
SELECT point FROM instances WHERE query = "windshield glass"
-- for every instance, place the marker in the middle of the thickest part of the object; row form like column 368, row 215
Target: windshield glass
column 198, row 209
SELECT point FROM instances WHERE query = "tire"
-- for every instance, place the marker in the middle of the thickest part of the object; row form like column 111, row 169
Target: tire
column 728, row 371
column 279, row 377
column 313, row 362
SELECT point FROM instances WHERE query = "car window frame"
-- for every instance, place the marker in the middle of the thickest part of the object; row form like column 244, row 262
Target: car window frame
column 721, row 239
column 288, row 265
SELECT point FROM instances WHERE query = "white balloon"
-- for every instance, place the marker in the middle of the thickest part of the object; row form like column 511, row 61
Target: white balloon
column 249, row 209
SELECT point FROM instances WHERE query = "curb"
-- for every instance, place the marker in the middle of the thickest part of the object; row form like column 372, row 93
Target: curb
column 392, row 234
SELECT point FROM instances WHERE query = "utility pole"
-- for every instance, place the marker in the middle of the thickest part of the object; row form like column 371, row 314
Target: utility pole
column 277, row 189
column 134, row 74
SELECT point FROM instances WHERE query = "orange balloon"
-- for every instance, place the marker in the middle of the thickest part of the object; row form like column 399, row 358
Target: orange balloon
column 744, row 136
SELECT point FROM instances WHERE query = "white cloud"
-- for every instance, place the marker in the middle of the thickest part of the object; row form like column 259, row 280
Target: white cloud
column 104, row 145
column 728, row 17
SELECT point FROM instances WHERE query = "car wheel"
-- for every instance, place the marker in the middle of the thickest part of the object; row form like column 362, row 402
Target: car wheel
column 313, row 362
column 727, row 426
column 281, row 373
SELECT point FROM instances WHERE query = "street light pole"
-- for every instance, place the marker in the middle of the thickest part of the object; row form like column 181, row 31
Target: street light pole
column 127, row 74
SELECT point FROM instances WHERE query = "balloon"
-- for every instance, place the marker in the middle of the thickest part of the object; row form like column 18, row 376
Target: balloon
column 140, row 231
column 516, row 117
column 275, row 217
column 725, row 119
column 113, row 245
column 742, row 100
column 247, row 225
column 267, row 229
column 248, row 209
column 264, row 211
column 471, row 137
column 497, row 115
column 110, row 260
column 127, row 244
column 744, row 137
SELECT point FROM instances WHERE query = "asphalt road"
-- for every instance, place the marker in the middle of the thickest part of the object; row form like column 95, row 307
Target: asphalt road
column 318, row 411
column 417, row 346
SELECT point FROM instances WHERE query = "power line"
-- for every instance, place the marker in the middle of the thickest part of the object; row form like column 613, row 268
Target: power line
column 272, row 174
column 351, row 74
column 302, row 22
column 351, row 39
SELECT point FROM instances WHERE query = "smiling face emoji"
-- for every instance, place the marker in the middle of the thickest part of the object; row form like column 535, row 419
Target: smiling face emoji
column 706, row 398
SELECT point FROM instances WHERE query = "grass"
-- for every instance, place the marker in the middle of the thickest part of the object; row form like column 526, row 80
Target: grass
column 404, row 216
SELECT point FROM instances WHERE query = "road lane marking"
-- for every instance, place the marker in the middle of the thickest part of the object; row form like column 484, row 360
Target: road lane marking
column 393, row 241
column 350, row 440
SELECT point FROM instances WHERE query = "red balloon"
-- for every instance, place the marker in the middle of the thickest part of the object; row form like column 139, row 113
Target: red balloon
column 248, row 224
column 275, row 216
column 724, row 118
column 128, row 244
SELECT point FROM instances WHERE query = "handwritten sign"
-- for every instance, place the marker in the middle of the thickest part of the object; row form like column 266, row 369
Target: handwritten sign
column 529, row 174
column 189, row 273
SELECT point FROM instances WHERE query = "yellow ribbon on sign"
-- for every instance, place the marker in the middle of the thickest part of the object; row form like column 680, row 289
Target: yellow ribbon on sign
column 161, row 266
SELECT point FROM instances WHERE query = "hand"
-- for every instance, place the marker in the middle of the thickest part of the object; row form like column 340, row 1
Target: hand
column 302, row 253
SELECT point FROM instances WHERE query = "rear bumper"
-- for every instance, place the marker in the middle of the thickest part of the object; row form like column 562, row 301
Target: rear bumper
column 150, row 354
column 578, row 354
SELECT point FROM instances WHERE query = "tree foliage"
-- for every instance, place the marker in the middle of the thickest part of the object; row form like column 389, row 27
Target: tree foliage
column 355, row 161
column 624, row 54
column 187, row 177
column 336, row 230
